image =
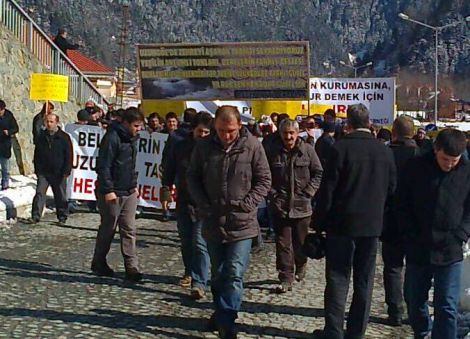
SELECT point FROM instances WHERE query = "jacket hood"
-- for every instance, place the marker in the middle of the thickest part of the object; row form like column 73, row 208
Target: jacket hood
column 121, row 131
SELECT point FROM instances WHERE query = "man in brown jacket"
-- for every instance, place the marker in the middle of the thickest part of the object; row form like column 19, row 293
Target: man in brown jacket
column 296, row 173
column 228, row 177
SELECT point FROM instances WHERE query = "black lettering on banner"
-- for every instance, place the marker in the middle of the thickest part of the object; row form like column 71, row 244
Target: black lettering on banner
column 89, row 139
column 149, row 146
column 84, row 162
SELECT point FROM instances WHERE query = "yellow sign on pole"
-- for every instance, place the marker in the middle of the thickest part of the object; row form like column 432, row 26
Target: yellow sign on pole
column 51, row 87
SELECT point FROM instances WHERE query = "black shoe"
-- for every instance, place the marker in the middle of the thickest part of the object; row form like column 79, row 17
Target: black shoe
column 228, row 333
column 211, row 325
column 165, row 218
column 284, row 287
column 394, row 321
column 102, row 270
column 62, row 221
column 134, row 275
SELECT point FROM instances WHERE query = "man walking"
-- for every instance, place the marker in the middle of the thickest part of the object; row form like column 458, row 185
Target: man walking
column 193, row 245
column 228, row 177
column 8, row 128
column 52, row 165
column 404, row 148
column 296, row 174
column 359, row 176
column 117, row 194
column 434, row 215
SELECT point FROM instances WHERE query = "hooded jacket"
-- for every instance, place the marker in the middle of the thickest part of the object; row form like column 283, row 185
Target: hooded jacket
column 116, row 162
column 228, row 185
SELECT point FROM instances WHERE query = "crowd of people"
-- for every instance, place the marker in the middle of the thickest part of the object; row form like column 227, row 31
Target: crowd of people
column 347, row 185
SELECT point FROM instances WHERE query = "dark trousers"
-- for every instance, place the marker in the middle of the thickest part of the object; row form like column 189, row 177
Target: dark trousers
column 393, row 256
column 447, row 281
column 290, row 237
column 344, row 254
column 58, row 185
column 120, row 212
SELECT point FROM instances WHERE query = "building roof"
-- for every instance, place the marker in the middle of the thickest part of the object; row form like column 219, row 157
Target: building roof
column 87, row 65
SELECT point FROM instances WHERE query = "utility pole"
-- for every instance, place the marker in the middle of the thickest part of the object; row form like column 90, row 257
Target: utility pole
column 123, row 42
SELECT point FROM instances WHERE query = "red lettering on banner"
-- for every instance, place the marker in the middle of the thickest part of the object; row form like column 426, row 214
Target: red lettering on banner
column 341, row 109
column 148, row 192
column 85, row 186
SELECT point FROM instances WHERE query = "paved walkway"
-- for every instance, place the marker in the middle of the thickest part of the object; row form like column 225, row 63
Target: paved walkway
column 47, row 290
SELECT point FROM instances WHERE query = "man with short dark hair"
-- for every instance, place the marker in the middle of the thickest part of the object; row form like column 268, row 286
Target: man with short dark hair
column 193, row 246
column 52, row 165
column 296, row 174
column 228, row 177
column 359, row 177
column 154, row 123
column 433, row 211
column 171, row 123
column 8, row 128
column 403, row 148
column 117, row 193
column 61, row 41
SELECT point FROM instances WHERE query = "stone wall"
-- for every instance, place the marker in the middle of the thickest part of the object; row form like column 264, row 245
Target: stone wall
column 16, row 66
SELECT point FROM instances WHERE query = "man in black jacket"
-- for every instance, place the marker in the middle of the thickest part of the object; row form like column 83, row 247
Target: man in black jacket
column 8, row 128
column 359, row 177
column 117, row 193
column 61, row 41
column 433, row 211
column 193, row 245
column 52, row 165
column 326, row 141
column 296, row 175
column 404, row 148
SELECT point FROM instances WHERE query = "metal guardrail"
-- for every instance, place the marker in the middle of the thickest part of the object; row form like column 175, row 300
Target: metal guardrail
column 16, row 20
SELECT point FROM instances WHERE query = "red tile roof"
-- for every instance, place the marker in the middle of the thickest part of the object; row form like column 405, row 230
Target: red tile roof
column 87, row 65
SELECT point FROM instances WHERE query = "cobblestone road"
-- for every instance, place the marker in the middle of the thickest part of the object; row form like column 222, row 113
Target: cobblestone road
column 48, row 291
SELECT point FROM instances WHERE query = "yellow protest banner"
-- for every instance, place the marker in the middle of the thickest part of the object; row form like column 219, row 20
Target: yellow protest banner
column 51, row 87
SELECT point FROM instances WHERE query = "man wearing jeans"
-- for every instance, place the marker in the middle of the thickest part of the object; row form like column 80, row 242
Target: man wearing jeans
column 433, row 212
column 228, row 177
column 8, row 128
column 117, row 194
column 360, row 175
column 193, row 245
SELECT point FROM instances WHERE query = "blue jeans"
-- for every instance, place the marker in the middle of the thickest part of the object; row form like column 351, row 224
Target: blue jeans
column 193, row 250
column 418, row 281
column 229, row 262
column 5, row 165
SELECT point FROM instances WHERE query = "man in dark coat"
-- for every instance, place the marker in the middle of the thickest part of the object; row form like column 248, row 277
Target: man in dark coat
column 61, row 41
column 117, row 194
column 228, row 177
column 52, row 165
column 38, row 120
column 325, row 143
column 433, row 211
column 296, row 175
column 359, row 177
column 404, row 148
column 193, row 245
column 8, row 128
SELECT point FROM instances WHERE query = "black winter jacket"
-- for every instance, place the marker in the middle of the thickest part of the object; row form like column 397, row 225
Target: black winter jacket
column 53, row 154
column 403, row 150
column 7, row 122
column 63, row 44
column 360, row 175
column 115, row 165
column 433, row 210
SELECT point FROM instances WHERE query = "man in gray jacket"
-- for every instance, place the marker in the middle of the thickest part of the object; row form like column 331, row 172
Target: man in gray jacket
column 228, row 177
column 296, row 173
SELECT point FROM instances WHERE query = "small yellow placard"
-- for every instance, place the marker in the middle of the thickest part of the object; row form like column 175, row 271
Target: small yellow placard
column 51, row 87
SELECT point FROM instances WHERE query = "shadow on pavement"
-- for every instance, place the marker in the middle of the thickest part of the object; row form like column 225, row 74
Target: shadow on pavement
column 141, row 323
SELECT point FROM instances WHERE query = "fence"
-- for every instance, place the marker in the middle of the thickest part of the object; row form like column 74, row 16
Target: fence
column 15, row 19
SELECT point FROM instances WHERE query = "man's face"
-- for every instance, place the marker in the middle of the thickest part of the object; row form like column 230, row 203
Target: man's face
column 446, row 162
column 2, row 111
column 421, row 135
column 51, row 122
column 328, row 118
column 289, row 137
column 310, row 123
column 200, row 132
column 154, row 123
column 134, row 127
column 171, row 124
column 227, row 130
